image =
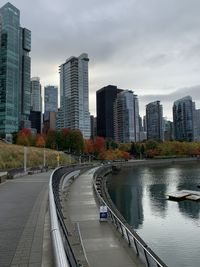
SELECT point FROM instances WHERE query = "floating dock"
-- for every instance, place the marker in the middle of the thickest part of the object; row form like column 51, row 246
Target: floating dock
column 184, row 194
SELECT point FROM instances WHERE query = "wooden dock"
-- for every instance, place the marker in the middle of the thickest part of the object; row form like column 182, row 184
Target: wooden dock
column 184, row 194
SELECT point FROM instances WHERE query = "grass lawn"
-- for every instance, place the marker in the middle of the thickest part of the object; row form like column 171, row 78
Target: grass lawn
column 12, row 156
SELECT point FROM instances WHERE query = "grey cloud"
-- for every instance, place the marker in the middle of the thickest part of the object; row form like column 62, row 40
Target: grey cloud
column 193, row 91
column 133, row 43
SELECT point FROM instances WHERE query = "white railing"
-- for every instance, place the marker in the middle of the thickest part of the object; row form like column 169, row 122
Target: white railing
column 60, row 258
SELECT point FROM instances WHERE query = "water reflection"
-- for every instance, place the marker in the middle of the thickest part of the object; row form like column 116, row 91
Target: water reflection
column 189, row 208
column 158, row 198
column 171, row 228
column 127, row 196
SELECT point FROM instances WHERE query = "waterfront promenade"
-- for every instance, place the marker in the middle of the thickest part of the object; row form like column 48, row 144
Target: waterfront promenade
column 103, row 245
column 24, row 233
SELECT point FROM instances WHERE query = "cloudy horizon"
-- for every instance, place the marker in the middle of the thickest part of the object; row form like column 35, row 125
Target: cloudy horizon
column 150, row 47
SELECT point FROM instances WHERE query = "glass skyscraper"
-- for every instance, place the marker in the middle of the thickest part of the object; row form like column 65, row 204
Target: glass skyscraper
column 74, row 95
column 36, row 95
column 154, row 119
column 25, row 75
column 105, row 98
column 126, row 117
column 15, row 44
column 183, row 119
column 50, row 100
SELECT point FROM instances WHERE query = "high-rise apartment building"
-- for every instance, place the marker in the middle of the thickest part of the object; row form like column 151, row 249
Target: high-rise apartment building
column 50, row 98
column 36, row 94
column 36, row 105
column 74, row 95
column 25, row 75
column 197, row 125
column 105, row 98
column 168, row 129
column 15, row 45
column 50, row 107
column 154, row 120
column 183, row 119
column 93, row 124
column 126, row 117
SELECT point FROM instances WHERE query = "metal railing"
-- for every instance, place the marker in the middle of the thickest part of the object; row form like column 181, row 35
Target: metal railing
column 63, row 253
column 134, row 241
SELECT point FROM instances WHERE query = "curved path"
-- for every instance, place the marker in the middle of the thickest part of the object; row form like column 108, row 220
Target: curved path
column 23, row 206
column 103, row 245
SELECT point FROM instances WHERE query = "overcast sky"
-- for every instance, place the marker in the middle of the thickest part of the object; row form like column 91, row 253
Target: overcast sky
column 149, row 46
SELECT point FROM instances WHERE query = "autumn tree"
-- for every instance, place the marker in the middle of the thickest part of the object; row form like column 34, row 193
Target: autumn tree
column 99, row 145
column 51, row 139
column 125, row 155
column 65, row 133
column 75, row 140
column 24, row 137
column 89, row 146
column 40, row 140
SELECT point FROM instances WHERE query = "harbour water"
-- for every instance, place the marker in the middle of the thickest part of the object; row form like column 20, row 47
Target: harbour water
column 170, row 228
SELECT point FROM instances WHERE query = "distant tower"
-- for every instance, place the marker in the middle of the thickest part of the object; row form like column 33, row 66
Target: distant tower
column 74, row 95
column 183, row 119
column 50, row 107
column 126, row 117
column 15, row 45
column 105, row 98
column 154, row 119
column 36, row 97
column 36, row 105
column 93, row 123
column 50, row 99
column 25, row 76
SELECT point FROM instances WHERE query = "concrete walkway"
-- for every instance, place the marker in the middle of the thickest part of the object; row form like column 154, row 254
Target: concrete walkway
column 103, row 245
column 23, row 206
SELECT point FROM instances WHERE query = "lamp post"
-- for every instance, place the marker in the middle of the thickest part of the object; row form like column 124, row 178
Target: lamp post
column 44, row 158
column 25, row 158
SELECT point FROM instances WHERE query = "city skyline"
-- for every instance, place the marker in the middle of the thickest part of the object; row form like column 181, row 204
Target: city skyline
column 151, row 48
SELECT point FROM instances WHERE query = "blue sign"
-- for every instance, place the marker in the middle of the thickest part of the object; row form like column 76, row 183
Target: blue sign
column 103, row 216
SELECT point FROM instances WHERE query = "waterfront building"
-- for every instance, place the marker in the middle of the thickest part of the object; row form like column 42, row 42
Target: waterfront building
column 154, row 120
column 36, row 122
column 36, row 105
column 50, row 107
column 105, row 98
column 25, row 76
column 36, row 95
column 126, row 117
column 183, row 119
column 144, row 124
column 50, row 100
column 50, row 123
column 15, row 63
column 197, row 125
column 60, row 119
column 143, row 136
column 74, row 97
column 168, row 130
column 93, row 123
column 141, row 129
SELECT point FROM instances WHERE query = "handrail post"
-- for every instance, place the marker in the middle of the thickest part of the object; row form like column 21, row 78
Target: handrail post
column 145, row 253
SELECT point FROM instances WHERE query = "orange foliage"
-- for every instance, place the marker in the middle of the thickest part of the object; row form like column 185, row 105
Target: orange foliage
column 24, row 137
column 99, row 144
column 89, row 146
column 125, row 155
column 40, row 141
